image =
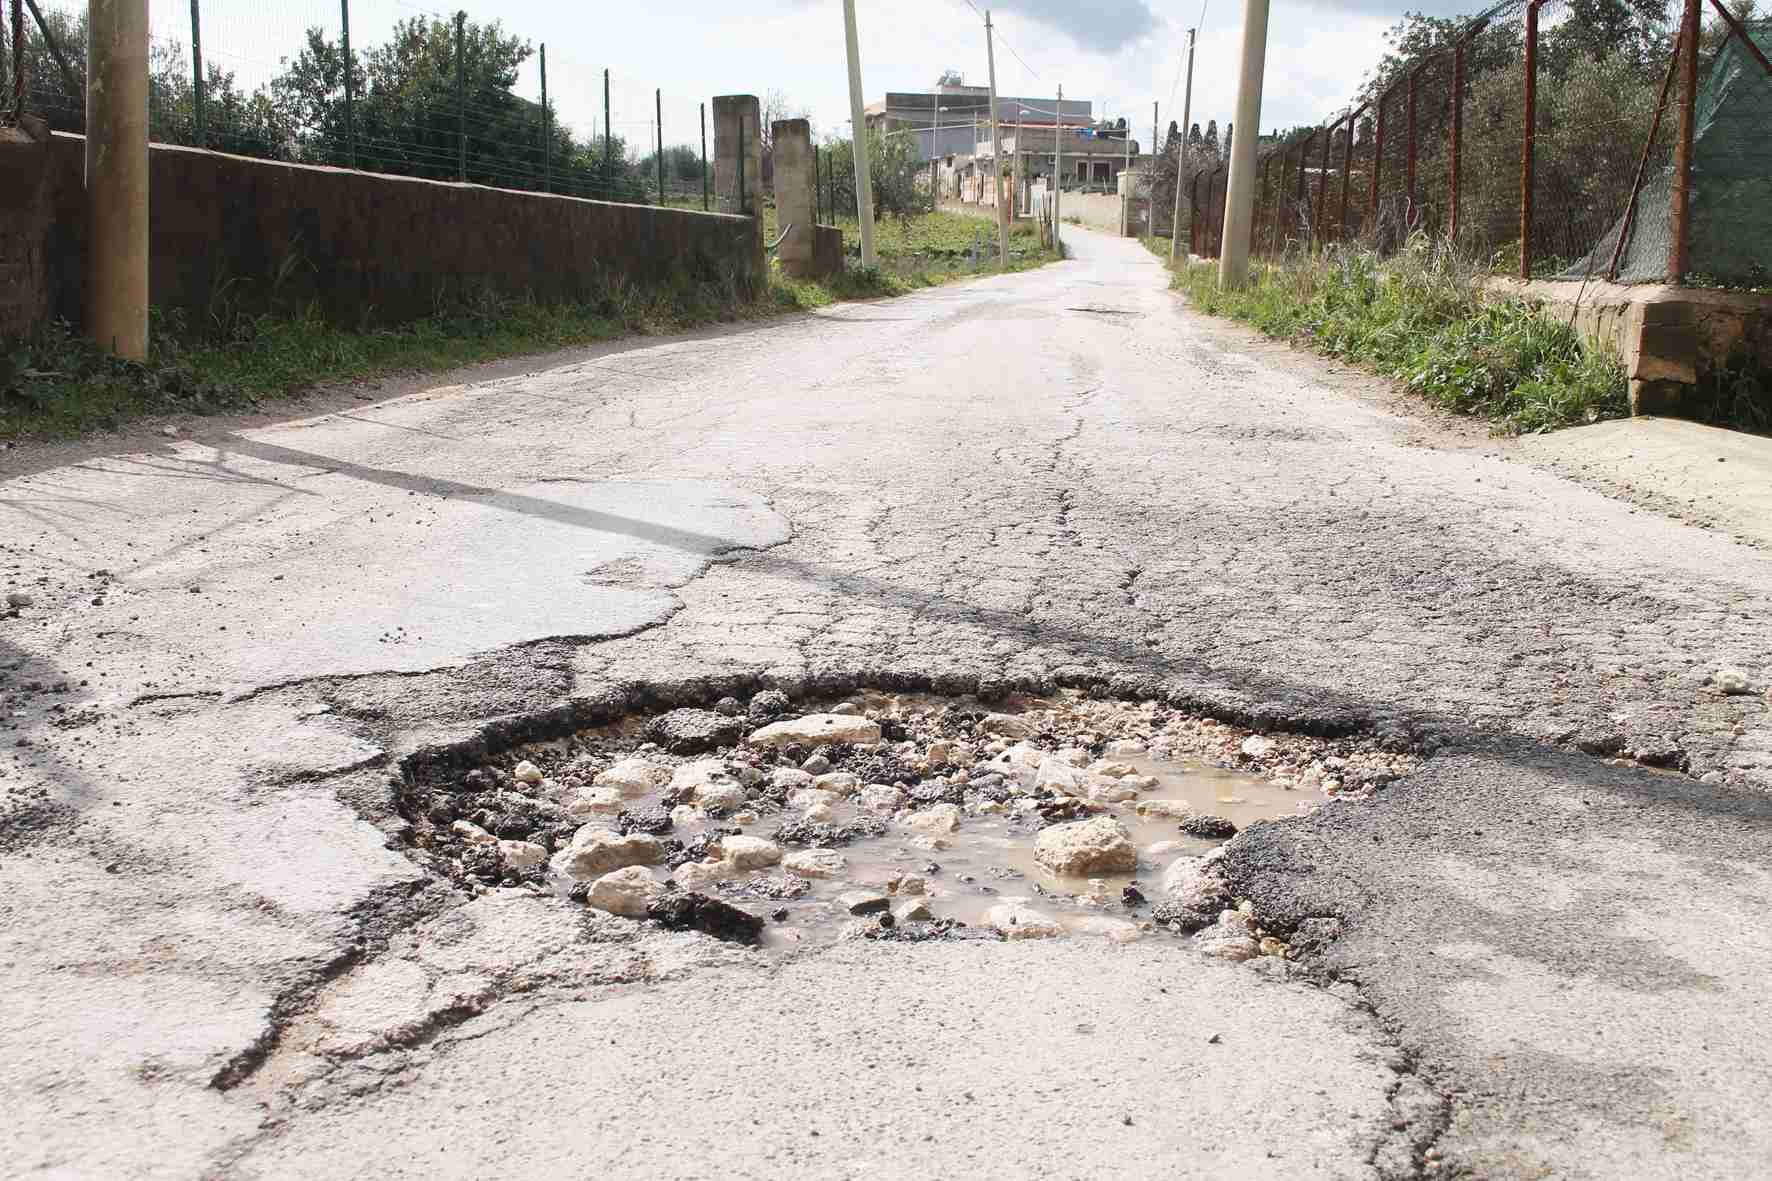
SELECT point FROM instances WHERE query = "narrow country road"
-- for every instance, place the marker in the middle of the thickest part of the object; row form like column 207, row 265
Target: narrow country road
column 1544, row 954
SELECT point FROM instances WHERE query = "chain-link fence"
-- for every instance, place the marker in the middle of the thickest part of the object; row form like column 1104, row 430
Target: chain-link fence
column 1546, row 138
column 383, row 86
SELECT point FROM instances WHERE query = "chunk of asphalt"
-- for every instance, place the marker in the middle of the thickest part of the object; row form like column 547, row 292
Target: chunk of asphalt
column 692, row 911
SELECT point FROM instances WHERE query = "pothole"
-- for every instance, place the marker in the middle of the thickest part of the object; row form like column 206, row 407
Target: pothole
column 893, row 816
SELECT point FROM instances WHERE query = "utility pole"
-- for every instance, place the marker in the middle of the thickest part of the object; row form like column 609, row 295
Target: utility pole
column 547, row 128
column 1153, row 129
column 1239, row 198
column 1020, row 154
column 1187, row 110
column 1126, row 197
column 935, row 159
column 117, row 176
column 990, row 57
column 858, row 140
column 1057, row 165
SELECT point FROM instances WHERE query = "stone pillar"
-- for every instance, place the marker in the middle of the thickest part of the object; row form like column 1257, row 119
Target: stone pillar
column 1661, row 352
column 729, row 111
column 737, row 119
column 24, row 228
column 795, row 194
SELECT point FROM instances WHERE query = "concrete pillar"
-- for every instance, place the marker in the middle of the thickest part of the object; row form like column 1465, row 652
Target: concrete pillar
column 729, row 110
column 737, row 119
column 117, row 176
column 794, row 194
column 24, row 228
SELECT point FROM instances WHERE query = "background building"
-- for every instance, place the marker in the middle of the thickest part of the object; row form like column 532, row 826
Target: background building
column 940, row 122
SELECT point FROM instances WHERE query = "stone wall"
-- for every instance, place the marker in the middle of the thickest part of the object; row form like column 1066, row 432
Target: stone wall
column 1667, row 338
column 371, row 247
column 1098, row 211
column 24, row 228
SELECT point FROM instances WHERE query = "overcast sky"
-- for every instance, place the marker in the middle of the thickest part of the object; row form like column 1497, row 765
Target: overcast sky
column 1122, row 54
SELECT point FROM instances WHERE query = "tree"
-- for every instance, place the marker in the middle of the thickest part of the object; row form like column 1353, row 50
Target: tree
column 682, row 168
column 1211, row 142
column 776, row 106
column 892, row 170
column 1228, row 129
column 1194, row 139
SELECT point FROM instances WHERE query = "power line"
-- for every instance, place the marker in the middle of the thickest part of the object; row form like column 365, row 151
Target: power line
column 1004, row 41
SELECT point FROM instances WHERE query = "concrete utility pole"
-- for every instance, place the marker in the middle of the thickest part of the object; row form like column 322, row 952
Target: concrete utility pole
column 117, row 176
column 1020, row 148
column 935, row 160
column 1239, row 199
column 1057, row 165
column 990, row 56
column 1125, row 186
column 858, row 141
column 1187, row 110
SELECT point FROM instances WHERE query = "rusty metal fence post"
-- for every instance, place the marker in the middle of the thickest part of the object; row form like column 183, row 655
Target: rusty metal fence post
column 344, row 17
column 1457, row 135
column 1377, row 161
column 1411, row 214
column 1263, row 206
column 1347, row 170
column 197, row 114
column 18, row 60
column 1195, row 217
column 1317, row 234
column 1218, row 217
column 461, row 97
column 1680, row 209
column 1527, row 146
column 1299, row 203
column 1628, row 225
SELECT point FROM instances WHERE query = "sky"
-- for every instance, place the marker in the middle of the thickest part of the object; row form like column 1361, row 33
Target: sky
column 1121, row 54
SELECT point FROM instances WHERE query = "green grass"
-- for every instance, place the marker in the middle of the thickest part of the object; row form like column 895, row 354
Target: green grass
column 58, row 385
column 1420, row 316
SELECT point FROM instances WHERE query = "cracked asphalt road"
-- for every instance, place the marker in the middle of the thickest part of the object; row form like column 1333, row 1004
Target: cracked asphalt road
column 218, row 963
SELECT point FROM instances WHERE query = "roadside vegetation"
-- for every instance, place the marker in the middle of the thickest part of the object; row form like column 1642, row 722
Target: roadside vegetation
column 58, row 385
column 1421, row 316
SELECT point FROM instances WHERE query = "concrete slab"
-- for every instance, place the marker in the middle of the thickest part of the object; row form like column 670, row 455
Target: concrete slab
column 1723, row 477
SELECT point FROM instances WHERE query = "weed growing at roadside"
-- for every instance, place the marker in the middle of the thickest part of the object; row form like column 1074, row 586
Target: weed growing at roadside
column 1421, row 316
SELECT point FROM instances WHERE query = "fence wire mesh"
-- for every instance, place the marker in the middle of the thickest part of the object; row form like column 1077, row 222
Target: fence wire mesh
column 440, row 95
column 1533, row 139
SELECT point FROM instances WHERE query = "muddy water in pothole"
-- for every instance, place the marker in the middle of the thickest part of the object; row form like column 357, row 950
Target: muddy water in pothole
column 937, row 815
column 990, row 859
